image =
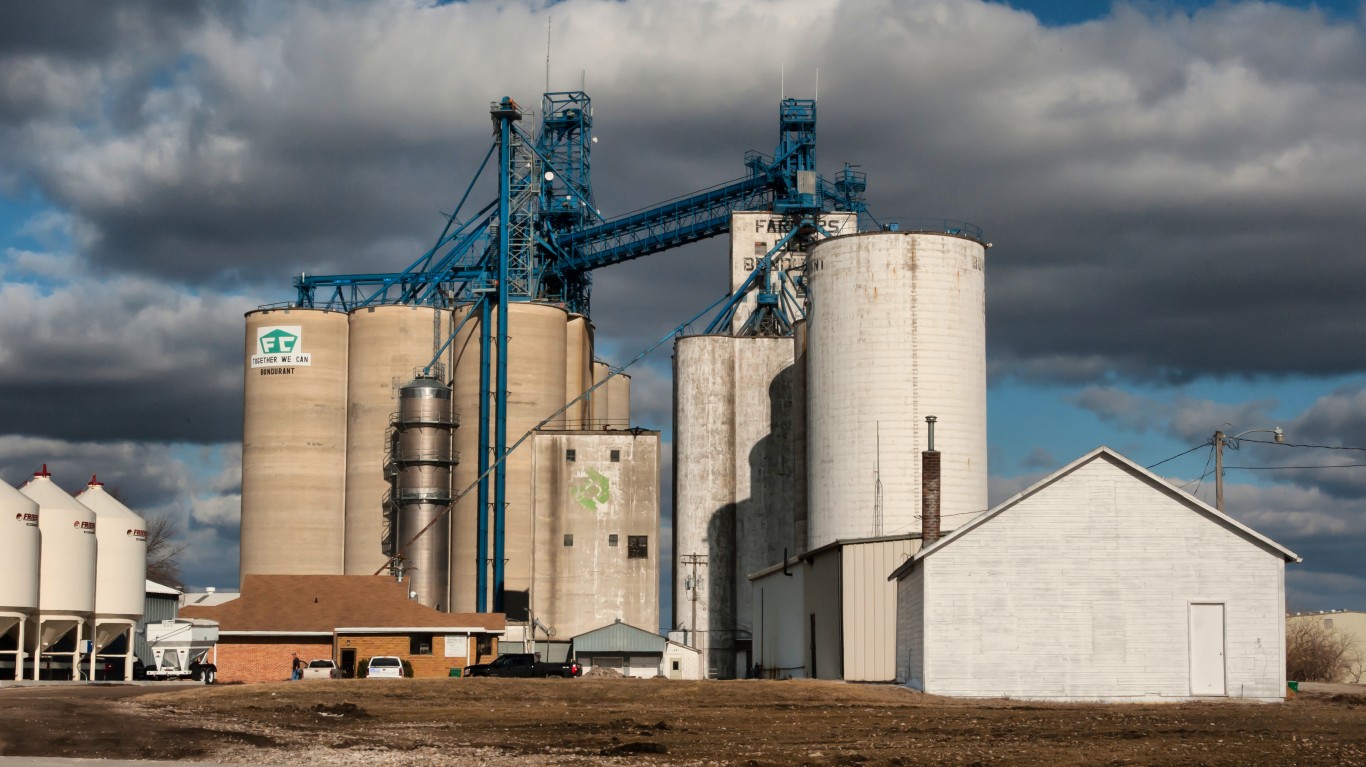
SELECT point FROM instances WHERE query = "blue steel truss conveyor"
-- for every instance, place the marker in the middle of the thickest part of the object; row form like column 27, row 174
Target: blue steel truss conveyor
column 551, row 215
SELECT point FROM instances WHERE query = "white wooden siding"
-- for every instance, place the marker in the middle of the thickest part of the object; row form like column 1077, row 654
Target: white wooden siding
column 910, row 630
column 1081, row 590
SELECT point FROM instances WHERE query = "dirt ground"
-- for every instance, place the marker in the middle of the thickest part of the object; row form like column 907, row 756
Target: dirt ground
column 500, row 722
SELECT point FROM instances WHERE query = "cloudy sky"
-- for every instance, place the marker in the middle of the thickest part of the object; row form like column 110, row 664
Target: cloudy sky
column 1174, row 191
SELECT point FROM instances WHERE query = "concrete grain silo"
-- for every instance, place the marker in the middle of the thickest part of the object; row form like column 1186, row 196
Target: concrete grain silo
column 422, row 460
column 294, row 442
column 120, row 572
column 896, row 332
column 578, row 370
column 618, row 402
column 66, row 576
column 735, row 488
column 536, row 369
column 387, row 345
column 20, row 548
column 600, row 401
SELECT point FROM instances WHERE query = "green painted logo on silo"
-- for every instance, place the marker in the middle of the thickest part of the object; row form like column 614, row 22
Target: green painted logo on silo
column 280, row 349
column 277, row 341
column 590, row 490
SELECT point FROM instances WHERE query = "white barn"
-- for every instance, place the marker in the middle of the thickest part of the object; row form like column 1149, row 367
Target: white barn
column 1100, row 582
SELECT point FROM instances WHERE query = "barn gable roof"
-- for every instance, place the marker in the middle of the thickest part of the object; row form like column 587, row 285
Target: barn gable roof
column 1138, row 472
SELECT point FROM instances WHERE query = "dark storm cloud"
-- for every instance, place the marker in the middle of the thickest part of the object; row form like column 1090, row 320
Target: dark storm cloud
column 119, row 360
column 90, row 29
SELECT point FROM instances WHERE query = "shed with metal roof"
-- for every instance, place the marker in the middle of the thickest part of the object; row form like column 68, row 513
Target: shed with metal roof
column 634, row 652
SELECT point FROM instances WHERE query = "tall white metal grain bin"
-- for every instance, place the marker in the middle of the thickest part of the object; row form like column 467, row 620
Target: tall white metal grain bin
column 896, row 332
column 387, row 345
column 20, row 548
column 66, row 576
column 294, row 442
column 120, row 573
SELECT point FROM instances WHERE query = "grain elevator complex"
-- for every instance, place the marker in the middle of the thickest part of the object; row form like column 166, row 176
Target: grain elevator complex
column 452, row 425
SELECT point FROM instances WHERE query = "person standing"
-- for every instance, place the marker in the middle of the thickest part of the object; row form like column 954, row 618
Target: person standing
column 296, row 668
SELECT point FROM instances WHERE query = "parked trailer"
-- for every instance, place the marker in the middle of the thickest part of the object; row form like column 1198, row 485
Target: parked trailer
column 179, row 649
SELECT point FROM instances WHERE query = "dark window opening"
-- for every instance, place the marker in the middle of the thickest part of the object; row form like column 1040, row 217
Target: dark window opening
column 420, row 644
column 637, row 547
column 616, row 456
column 569, row 539
column 570, row 455
column 612, row 539
column 484, row 645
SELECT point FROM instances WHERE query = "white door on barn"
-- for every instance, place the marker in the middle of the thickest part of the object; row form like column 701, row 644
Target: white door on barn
column 1207, row 649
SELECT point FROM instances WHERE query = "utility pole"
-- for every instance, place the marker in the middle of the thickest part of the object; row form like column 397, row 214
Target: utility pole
column 693, row 560
column 1219, row 470
column 1219, row 441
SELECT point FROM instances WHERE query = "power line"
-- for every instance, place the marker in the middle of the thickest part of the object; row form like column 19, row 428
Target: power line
column 1178, row 455
column 1295, row 444
column 1270, row 468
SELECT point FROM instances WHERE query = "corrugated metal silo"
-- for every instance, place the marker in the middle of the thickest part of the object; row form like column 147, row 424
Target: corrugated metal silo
column 897, row 332
column 578, row 370
column 66, row 574
column 537, row 347
column 294, row 442
column 422, row 460
column 387, row 345
column 20, row 547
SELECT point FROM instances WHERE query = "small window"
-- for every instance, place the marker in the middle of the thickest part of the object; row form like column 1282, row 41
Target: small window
column 484, row 645
column 637, row 547
column 570, row 455
column 676, row 664
column 616, row 456
column 420, row 644
column 761, row 248
column 612, row 539
column 569, row 539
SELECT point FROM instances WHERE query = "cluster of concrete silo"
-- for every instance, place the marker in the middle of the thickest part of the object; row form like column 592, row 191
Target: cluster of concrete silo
column 72, row 570
column 324, row 392
column 784, row 445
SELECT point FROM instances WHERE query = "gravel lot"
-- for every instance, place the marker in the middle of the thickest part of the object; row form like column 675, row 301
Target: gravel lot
column 499, row 722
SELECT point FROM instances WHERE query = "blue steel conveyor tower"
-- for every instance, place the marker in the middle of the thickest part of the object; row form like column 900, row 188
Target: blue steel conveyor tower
column 542, row 237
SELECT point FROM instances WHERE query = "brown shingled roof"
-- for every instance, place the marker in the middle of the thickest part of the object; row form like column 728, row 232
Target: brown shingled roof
column 325, row 603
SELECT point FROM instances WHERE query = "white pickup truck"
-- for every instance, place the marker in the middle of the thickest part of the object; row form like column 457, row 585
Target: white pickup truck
column 322, row 669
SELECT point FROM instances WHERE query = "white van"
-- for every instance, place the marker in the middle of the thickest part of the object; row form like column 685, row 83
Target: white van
column 384, row 667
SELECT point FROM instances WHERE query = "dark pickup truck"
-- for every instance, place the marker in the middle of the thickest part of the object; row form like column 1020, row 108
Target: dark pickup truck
column 524, row 665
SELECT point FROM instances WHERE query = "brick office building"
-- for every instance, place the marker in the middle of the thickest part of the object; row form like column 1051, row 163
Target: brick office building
column 348, row 618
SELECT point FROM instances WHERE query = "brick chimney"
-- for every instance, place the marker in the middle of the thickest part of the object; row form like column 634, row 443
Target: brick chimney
column 929, row 490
